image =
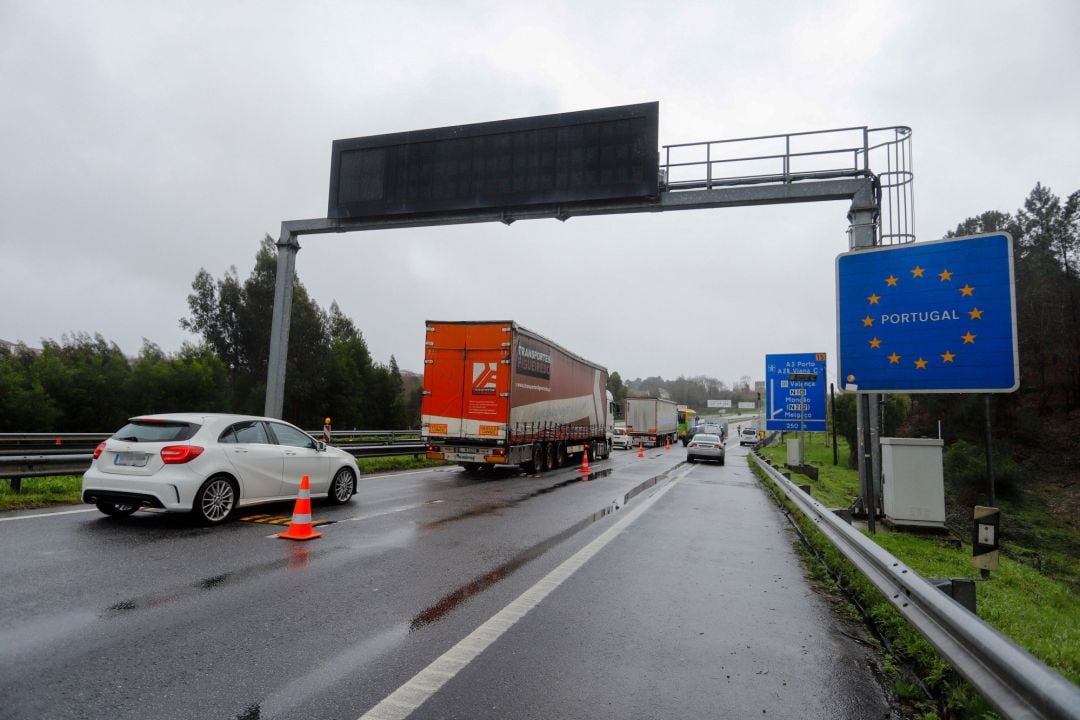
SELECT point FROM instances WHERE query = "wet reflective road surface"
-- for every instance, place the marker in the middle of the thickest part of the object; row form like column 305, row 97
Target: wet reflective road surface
column 695, row 607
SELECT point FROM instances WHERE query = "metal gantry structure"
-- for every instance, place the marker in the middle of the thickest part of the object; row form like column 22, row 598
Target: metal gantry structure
column 818, row 166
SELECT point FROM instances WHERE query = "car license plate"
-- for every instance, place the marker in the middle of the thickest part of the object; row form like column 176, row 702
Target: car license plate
column 131, row 459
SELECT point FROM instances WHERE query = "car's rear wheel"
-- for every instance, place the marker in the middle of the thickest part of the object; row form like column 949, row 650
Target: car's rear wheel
column 689, row 458
column 215, row 500
column 721, row 459
column 116, row 509
column 342, row 487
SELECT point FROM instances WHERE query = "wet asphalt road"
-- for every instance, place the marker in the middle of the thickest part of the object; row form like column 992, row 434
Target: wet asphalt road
column 696, row 606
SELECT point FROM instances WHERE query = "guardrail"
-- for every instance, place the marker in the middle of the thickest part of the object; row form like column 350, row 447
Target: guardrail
column 28, row 455
column 1011, row 679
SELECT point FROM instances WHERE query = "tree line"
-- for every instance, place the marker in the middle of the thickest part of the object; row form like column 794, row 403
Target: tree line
column 694, row 392
column 85, row 383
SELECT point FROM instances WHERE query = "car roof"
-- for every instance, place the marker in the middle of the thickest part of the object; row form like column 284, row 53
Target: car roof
column 199, row 418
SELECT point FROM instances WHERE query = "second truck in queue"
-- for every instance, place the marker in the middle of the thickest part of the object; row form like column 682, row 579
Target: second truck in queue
column 651, row 421
column 498, row 394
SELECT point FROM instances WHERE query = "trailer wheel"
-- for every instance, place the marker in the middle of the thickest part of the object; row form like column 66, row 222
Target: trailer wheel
column 539, row 454
column 560, row 454
column 549, row 457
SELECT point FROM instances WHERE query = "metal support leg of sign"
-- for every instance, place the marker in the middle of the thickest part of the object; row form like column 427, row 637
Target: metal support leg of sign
column 989, row 457
column 832, row 398
column 287, row 247
column 866, row 472
column 875, row 448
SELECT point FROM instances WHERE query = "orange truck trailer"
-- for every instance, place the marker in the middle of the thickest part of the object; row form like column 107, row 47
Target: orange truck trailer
column 498, row 394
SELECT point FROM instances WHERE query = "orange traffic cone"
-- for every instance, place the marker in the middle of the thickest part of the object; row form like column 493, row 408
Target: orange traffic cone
column 584, row 470
column 667, row 444
column 57, row 441
column 300, row 526
column 641, row 450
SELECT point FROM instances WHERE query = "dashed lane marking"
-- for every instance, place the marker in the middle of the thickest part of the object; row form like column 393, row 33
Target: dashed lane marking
column 48, row 514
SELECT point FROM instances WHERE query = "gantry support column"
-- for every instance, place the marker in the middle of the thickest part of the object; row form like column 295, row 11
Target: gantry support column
column 862, row 234
column 287, row 247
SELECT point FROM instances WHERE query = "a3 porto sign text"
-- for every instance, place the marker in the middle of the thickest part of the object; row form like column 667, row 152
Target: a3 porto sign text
column 796, row 392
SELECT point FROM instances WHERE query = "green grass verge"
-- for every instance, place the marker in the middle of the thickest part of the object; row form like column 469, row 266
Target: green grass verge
column 398, row 462
column 837, row 485
column 67, row 489
column 41, row 492
column 1033, row 599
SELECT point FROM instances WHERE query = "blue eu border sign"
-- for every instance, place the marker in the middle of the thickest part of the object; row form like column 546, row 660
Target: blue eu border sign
column 931, row 317
column 795, row 392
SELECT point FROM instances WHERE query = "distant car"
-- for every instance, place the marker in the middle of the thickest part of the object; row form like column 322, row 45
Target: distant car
column 210, row 464
column 710, row 428
column 705, row 446
column 748, row 436
column 620, row 439
column 713, row 429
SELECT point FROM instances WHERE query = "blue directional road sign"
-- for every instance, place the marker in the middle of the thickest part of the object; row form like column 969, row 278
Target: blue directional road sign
column 795, row 392
column 929, row 317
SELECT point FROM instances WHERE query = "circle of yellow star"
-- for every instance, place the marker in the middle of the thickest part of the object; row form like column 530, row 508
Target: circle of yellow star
column 975, row 313
column 891, row 281
column 947, row 357
column 894, row 359
column 874, row 299
column 920, row 364
column 969, row 339
column 875, row 343
column 917, row 272
column 966, row 290
column 867, row 321
column 945, row 275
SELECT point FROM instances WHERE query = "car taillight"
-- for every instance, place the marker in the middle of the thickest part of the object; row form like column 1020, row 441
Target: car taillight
column 179, row 454
column 98, row 450
column 692, row 444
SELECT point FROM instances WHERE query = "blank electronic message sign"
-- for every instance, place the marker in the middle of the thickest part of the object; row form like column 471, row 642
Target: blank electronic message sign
column 591, row 155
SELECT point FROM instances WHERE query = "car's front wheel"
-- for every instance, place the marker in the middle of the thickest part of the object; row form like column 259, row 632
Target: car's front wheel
column 342, row 487
column 215, row 501
column 116, row 509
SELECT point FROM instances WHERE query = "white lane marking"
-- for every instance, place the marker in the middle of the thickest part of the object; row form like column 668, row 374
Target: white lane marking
column 51, row 514
column 407, row 698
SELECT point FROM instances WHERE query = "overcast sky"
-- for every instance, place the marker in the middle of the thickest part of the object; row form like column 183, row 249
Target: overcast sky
column 141, row 141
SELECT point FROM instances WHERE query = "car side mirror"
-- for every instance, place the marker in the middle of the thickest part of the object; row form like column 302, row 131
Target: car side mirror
column 320, row 446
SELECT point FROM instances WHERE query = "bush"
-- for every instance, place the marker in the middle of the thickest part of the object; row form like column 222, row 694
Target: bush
column 965, row 472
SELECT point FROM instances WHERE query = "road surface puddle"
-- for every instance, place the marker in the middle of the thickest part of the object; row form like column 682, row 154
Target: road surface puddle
column 481, row 583
column 496, row 508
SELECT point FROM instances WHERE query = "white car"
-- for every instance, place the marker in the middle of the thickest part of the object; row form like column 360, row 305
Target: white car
column 619, row 439
column 748, row 436
column 211, row 464
column 705, row 446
